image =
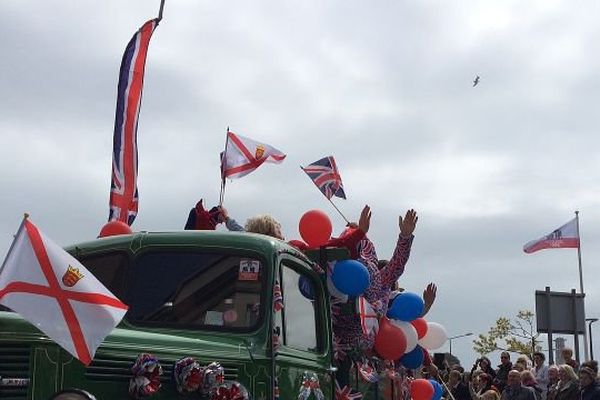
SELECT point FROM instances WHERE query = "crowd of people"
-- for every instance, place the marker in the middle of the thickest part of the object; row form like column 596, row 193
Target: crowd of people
column 520, row 380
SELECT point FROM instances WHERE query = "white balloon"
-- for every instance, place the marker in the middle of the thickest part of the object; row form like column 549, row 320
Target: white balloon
column 435, row 337
column 409, row 331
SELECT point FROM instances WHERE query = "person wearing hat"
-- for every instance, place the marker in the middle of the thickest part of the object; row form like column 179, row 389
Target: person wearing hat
column 588, row 380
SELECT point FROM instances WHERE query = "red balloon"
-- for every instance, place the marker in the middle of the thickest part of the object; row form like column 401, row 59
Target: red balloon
column 421, row 389
column 390, row 341
column 112, row 228
column 315, row 228
column 421, row 326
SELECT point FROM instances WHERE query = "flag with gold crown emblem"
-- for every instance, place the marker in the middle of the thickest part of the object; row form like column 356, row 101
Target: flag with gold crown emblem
column 243, row 155
column 51, row 289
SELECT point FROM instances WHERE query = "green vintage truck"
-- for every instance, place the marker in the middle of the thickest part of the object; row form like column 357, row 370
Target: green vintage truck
column 201, row 294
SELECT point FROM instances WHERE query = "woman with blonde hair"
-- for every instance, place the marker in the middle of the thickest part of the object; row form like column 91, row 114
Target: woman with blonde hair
column 528, row 379
column 490, row 395
column 264, row 224
column 568, row 384
column 525, row 361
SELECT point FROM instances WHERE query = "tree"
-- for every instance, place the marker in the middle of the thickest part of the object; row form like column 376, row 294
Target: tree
column 517, row 336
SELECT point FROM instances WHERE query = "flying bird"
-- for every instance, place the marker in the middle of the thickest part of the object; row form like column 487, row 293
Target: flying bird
column 476, row 81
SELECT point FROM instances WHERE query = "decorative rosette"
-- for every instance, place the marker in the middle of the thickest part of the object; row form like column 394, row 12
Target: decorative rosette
column 310, row 384
column 146, row 376
column 367, row 372
column 214, row 375
column 230, row 390
column 188, row 375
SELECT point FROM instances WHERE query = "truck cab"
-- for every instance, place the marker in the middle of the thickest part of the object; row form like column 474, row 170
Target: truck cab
column 202, row 294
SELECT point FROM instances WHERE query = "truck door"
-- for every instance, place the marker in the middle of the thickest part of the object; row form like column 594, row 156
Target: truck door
column 303, row 354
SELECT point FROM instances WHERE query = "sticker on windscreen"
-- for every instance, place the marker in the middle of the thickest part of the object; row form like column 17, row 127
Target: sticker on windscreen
column 249, row 270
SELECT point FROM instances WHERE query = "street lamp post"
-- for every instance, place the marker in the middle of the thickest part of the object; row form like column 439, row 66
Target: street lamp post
column 590, row 322
column 456, row 337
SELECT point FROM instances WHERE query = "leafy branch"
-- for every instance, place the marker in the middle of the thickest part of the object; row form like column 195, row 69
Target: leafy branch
column 517, row 336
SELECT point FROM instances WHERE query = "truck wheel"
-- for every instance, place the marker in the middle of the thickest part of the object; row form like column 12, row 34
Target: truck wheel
column 73, row 394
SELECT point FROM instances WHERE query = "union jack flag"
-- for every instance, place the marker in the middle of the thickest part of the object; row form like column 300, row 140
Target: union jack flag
column 123, row 185
column 367, row 372
column 325, row 175
column 346, row 393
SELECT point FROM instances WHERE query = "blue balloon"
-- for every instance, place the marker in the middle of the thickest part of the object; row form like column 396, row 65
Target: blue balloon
column 350, row 277
column 438, row 389
column 406, row 307
column 413, row 359
column 306, row 287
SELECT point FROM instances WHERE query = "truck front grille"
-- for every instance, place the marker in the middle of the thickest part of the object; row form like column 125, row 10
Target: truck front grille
column 14, row 370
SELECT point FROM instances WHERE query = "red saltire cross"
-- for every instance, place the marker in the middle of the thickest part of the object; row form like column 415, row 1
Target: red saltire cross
column 61, row 296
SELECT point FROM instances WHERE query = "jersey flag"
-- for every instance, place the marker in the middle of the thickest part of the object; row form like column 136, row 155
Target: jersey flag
column 567, row 236
column 52, row 290
column 243, row 155
column 123, row 186
column 325, row 175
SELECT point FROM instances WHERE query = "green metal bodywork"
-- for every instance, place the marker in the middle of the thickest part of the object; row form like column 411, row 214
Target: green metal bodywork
column 247, row 357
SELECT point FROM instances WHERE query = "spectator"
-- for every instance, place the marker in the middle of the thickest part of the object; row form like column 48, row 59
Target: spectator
column 588, row 379
column 552, row 382
column 527, row 379
column 458, row 389
column 567, row 355
column 568, row 385
column 593, row 365
column 481, row 386
column 485, row 365
column 525, row 361
column 540, row 371
column 502, row 371
column 515, row 390
column 519, row 366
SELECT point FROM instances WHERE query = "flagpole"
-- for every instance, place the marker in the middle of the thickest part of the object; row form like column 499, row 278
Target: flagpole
column 222, row 194
column 12, row 245
column 160, row 11
column 585, row 338
column 338, row 210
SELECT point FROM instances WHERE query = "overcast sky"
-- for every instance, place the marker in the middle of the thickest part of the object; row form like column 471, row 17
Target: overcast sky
column 384, row 86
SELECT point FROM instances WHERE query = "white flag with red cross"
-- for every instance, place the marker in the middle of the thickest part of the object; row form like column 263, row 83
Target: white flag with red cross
column 243, row 155
column 52, row 290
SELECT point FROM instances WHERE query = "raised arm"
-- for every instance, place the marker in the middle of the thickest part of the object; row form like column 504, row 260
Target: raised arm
column 395, row 268
column 230, row 223
column 429, row 295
